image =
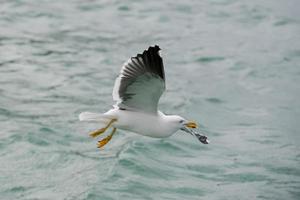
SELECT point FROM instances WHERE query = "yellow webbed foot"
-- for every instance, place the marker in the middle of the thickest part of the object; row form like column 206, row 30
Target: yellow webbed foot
column 97, row 132
column 104, row 141
column 102, row 130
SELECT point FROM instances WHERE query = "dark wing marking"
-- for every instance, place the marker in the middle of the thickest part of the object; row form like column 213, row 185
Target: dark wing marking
column 141, row 82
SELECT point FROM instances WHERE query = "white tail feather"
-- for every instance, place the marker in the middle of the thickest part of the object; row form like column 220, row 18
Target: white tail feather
column 89, row 116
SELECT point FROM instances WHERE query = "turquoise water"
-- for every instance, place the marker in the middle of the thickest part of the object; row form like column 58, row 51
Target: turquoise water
column 231, row 65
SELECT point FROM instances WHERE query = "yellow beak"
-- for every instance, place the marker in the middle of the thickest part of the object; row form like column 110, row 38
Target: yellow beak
column 191, row 124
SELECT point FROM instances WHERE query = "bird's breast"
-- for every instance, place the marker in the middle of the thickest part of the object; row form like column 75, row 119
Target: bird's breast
column 151, row 125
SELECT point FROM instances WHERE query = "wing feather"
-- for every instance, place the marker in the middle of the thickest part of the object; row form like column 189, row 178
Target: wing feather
column 141, row 82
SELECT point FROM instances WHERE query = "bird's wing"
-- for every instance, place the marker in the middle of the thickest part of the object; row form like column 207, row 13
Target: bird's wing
column 141, row 82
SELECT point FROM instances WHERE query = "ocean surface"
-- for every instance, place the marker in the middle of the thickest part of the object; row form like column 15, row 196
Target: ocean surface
column 231, row 65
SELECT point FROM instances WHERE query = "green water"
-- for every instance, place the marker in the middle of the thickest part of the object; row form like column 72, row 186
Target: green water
column 231, row 65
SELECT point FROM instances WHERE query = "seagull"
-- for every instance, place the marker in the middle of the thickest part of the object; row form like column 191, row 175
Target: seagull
column 137, row 91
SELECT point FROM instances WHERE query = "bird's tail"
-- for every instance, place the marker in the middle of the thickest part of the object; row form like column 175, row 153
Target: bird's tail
column 89, row 116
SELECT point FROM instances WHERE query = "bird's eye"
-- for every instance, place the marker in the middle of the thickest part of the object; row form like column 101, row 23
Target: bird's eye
column 181, row 121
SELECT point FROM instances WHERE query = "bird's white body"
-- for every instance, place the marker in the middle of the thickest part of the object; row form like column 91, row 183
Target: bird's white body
column 155, row 125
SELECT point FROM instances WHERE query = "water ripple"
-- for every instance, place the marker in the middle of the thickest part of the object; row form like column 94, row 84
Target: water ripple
column 230, row 65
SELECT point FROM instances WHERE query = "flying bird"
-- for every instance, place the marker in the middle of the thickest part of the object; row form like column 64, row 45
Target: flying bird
column 137, row 91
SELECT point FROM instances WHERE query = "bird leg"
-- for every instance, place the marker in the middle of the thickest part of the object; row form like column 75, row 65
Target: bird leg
column 104, row 141
column 102, row 130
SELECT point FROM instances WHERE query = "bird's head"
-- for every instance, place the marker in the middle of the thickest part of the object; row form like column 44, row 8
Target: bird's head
column 189, row 127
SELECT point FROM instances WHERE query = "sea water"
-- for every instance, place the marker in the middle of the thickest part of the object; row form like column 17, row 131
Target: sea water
column 231, row 65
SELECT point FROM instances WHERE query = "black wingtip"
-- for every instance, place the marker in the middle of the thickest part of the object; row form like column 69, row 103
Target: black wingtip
column 154, row 60
column 154, row 48
column 151, row 60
